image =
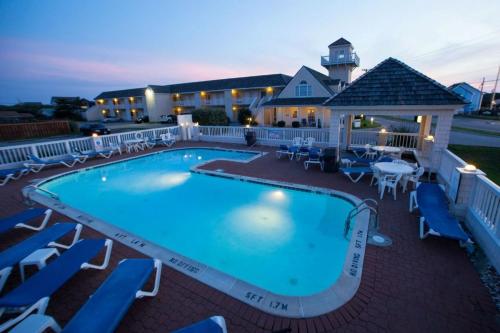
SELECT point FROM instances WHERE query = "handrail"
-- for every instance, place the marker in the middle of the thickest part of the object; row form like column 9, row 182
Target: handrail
column 356, row 210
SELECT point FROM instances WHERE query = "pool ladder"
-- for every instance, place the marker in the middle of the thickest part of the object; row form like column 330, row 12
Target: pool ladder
column 361, row 207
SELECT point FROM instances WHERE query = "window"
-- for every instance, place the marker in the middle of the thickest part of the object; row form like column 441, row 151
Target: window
column 303, row 89
column 341, row 54
column 295, row 113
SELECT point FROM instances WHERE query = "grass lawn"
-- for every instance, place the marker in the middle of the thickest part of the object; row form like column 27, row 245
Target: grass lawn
column 485, row 158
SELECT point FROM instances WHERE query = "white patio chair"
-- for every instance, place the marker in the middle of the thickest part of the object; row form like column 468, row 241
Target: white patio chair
column 297, row 141
column 400, row 162
column 413, row 178
column 370, row 154
column 377, row 175
column 391, row 183
column 399, row 154
column 309, row 142
column 167, row 139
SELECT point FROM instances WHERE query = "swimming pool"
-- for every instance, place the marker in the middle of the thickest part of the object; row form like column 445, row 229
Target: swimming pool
column 271, row 239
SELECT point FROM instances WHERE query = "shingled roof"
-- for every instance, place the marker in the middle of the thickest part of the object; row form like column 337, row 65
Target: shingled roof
column 271, row 80
column 392, row 82
column 340, row 41
column 325, row 80
column 295, row 101
column 122, row 93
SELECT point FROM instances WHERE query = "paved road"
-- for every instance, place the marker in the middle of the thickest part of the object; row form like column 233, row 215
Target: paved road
column 459, row 137
column 481, row 124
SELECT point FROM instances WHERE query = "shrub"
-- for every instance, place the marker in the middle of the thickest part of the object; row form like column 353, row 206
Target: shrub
column 281, row 123
column 210, row 117
column 295, row 124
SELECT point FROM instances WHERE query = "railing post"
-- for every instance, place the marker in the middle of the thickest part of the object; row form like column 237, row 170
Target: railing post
column 34, row 151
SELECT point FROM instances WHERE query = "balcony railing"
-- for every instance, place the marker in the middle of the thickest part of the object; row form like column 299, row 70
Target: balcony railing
column 348, row 59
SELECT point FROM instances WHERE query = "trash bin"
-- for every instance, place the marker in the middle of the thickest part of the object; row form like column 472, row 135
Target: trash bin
column 329, row 159
column 251, row 138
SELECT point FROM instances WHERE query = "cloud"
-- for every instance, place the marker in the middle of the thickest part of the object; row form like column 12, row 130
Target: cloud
column 34, row 60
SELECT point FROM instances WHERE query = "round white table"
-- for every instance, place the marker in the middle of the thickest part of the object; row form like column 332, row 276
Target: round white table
column 393, row 168
column 386, row 149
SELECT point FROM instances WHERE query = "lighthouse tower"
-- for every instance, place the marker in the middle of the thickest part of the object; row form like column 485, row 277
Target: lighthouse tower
column 341, row 61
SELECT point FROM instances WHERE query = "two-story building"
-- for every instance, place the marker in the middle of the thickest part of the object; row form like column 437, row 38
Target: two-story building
column 271, row 98
column 155, row 101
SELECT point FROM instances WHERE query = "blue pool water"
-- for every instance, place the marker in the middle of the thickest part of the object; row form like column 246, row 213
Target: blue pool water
column 285, row 241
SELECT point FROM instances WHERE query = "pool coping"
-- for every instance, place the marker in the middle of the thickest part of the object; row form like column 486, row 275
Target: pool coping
column 339, row 293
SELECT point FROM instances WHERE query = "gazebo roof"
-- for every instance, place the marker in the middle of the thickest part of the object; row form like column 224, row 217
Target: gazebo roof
column 393, row 83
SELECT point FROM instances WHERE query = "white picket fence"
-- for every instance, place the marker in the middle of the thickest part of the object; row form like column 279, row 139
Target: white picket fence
column 15, row 155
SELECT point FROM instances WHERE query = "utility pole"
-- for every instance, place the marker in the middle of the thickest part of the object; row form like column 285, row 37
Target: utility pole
column 494, row 90
column 481, row 95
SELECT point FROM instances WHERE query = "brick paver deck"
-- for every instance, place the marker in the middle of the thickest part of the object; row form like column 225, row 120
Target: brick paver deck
column 411, row 286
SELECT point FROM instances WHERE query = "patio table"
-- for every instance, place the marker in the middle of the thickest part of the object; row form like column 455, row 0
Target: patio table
column 393, row 168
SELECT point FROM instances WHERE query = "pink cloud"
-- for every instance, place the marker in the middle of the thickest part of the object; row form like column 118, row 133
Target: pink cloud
column 35, row 60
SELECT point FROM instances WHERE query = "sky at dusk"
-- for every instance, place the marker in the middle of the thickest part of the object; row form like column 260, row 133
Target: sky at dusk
column 80, row 48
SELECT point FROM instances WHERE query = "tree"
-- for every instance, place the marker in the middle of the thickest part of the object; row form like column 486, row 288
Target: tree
column 67, row 108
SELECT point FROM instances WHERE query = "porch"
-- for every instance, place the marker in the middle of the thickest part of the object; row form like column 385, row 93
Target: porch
column 314, row 116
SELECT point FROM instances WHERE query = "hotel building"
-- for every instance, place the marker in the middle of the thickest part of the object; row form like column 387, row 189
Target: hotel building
column 271, row 98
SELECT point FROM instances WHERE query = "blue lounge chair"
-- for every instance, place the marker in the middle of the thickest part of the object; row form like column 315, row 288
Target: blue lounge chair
column 105, row 153
column 38, row 164
column 12, row 173
column 19, row 220
column 282, row 150
column 360, row 152
column 431, row 200
column 47, row 237
column 107, row 306
column 360, row 171
column 303, row 151
column 358, row 160
column 314, row 158
column 34, row 294
column 215, row 324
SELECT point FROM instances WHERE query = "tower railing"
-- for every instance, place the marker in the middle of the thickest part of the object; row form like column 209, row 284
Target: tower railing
column 350, row 58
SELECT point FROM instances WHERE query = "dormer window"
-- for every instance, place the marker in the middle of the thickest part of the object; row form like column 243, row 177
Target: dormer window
column 303, row 89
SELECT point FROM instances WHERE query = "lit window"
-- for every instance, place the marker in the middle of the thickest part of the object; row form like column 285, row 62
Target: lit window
column 295, row 113
column 303, row 89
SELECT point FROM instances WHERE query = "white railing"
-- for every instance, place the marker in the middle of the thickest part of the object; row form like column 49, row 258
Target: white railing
column 486, row 204
column 15, row 155
column 361, row 138
column 479, row 199
column 449, row 162
column 265, row 135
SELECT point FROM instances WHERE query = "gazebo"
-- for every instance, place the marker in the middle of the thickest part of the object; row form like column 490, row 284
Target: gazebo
column 393, row 88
